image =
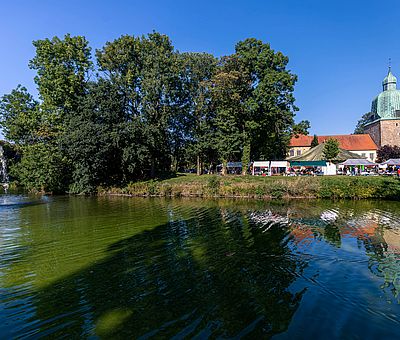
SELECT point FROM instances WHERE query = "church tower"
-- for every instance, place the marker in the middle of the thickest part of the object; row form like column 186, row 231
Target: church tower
column 384, row 124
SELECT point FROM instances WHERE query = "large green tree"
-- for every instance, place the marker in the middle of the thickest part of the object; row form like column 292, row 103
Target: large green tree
column 146, row 70
column 194, row 128
column 258, row 100
column 62, row 67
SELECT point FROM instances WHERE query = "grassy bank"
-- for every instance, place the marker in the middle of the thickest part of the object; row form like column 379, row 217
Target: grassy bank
column 335, row 187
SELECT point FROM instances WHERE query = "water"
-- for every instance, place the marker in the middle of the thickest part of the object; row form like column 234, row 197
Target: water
column 157, row 268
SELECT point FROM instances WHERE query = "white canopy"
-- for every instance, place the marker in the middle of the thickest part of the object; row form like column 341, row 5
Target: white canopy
column 392, row 161
column 274, row 164
column 358, row 162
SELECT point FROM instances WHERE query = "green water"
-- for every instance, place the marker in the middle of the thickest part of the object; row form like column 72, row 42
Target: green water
column 77, row 267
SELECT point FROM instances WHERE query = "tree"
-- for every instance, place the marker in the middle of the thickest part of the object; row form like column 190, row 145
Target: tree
column 331, row 149
column 314, row 142
column 62, row 67
column 387, row 152
column 43, row 168
column 255, row 100
column 366, row 118
column 228, row 92
column 194, row 127
column 20, row 117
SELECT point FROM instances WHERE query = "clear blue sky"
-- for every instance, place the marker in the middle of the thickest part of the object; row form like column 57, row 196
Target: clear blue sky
column 339, row 49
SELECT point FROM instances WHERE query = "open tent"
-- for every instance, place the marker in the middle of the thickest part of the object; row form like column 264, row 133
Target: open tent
column 392, row 162
column 317, row 154
column 358, row 162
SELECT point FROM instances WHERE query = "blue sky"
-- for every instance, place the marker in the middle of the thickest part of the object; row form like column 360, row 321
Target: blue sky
column 339, row 49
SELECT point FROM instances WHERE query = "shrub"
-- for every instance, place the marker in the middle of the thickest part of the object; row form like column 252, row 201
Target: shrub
column 213, row 185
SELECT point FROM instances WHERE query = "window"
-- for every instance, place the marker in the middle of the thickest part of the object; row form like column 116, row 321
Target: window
column 371, row 156
column 363, row 154
column 291, row 152
column 298, row 152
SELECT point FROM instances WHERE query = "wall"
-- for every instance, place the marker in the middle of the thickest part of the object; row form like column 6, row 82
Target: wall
column 367, row 154
column 390, row 132
column 374, row 130
column 302, row 149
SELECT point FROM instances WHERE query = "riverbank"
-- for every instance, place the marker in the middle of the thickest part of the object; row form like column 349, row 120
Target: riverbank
column 335, row 187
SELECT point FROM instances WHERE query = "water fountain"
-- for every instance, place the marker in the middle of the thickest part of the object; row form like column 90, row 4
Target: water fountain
column 3, row 170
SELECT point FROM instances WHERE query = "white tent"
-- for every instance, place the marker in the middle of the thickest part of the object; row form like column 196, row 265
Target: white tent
column 355, row 162
column 269, row 165
column 392, row 161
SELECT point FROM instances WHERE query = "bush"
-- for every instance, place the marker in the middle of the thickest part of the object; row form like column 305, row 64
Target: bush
column 213, row 185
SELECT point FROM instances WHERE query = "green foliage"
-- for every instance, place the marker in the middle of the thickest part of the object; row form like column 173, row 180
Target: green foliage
column 148, row 111
column 314, row 142
column 331, row 149
column 301, row 128
column 366, row 118
column 62, row 67
column 213, row 184
column 42, row 168
column 254, row 103
column 387, row 152
column 20, row 116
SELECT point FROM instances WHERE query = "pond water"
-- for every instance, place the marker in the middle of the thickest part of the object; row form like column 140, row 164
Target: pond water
column 159, row 268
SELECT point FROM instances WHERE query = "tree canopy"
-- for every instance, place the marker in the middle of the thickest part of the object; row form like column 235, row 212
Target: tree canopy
column 140, row 109
column 331, row 149
column 366, row 118
column 314, row 142
column 387, row 152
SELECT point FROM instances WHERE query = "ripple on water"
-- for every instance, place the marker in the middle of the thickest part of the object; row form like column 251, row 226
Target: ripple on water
column 117, row 267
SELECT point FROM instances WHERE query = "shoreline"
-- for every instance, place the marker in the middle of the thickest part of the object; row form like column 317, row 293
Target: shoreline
column 268, row 188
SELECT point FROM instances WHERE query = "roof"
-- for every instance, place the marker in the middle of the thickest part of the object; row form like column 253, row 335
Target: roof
column 346, row 142
column 274, row 164
column 392, row 161
column 317, row 154
column 308, row 163
column 357, row 162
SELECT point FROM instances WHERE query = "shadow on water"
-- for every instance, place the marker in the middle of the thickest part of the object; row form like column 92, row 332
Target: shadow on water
column 190, row 277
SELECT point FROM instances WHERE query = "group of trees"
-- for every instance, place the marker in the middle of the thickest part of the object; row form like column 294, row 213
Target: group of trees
column 138, row 108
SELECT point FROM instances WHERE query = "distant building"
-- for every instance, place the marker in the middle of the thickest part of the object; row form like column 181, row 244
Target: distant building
column 359, row 144
column 384, row 121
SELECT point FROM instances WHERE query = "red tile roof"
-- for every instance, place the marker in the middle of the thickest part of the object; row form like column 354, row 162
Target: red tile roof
column 347, row 142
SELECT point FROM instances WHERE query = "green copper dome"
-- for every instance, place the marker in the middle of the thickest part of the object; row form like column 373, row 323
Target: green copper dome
column 387, row 104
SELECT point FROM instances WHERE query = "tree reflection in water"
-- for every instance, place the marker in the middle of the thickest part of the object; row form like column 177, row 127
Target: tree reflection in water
column 214, row 275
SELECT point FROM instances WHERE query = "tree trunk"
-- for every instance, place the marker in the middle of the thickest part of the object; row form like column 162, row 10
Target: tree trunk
column 198, row 166
column 246, row 153
column 224, row 169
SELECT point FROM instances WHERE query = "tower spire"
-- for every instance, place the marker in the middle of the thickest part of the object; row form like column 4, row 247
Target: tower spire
column 390, row 65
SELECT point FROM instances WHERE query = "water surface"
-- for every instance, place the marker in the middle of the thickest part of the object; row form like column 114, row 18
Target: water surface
column 159, row 268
